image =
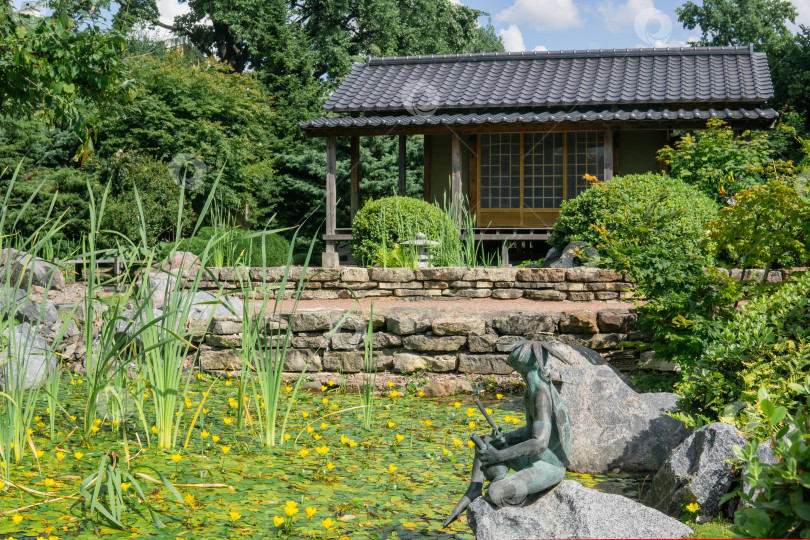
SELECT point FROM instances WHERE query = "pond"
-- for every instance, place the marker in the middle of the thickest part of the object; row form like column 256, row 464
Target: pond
column 329, row 479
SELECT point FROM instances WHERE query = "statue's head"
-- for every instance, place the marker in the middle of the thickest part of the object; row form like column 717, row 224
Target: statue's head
column 527, row 356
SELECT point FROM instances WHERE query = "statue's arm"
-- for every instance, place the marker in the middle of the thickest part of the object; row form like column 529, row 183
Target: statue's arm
column 535, row 443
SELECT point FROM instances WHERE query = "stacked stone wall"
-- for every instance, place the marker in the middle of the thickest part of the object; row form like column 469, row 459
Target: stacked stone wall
column 412, row 339
column 548, row 284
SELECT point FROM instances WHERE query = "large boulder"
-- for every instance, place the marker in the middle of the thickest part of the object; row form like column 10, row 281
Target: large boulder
column 43, row 316
column 24, row 267
column 698, row 470
column 27, row 360
column 613, row 426
column 571, row 510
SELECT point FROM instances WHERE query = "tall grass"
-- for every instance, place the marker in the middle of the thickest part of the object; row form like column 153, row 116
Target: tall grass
column 369, row 383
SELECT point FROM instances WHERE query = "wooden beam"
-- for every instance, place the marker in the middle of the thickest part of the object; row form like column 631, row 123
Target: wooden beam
column 354, row 162
column 455, row 179
column 330, row 257
column 428, row 176
column 403, row 188
column 608, row 154
column 472, row 174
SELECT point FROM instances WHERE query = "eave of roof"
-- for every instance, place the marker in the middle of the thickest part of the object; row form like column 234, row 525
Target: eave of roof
column 563, row 119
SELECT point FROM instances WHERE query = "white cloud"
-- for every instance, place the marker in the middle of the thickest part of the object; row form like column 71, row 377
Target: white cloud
column 169, row 9
column 542, row 14
column 803, row 7
column 513, row 39
column 541, row 48
column 619, row 18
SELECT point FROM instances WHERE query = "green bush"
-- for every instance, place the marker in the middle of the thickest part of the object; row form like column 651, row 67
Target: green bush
column 766, row 225
column 765, row 345
column 719, row 161
column 383, row 223
column 626, row 207
column 777, row 493
column 236, row 249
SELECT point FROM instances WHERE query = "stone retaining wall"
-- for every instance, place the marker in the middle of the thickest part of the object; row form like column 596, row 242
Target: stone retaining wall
column 549, row 284
column 407, row 340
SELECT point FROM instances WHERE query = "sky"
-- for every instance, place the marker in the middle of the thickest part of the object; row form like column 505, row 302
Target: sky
column 527, row 25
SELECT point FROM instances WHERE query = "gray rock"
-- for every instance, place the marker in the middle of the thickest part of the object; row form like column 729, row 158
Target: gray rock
column 566, row 257
column 411, row 363
column 697, row 471
column 23, row 267
column 484, row 364
column 27, row 360
column 613, row 427
column 42, row 316
column 316, row 319
column 404, row 322
column 447, row 387
column 454, row 323
column 525, row 323
column 205, row 305
column 433, row 343
column 571, row 510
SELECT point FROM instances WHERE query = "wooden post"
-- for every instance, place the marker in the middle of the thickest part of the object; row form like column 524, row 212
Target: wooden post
column 455, row 180
column 330, row 257
column 608, row 154
column 354, row 161
column 428, row 176
column 402, row 178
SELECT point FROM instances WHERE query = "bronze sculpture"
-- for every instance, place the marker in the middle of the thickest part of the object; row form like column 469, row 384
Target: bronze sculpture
column 537, row 452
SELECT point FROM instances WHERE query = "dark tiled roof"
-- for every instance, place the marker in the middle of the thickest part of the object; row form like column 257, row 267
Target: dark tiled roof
column 557, row 78
column 539, row 118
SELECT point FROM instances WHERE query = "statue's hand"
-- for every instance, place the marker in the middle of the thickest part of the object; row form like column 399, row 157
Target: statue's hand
column 490, row 455
column 498, row 437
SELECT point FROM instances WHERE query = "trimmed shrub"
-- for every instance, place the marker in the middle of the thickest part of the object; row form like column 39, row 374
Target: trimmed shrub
column 388, row 221
column 229, row 251
column 629, row 204
column 765, row 345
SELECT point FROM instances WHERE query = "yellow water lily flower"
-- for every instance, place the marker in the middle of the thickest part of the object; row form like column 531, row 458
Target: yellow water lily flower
column 60, row 456
column 391, row 424
column 16, row 518
column 324, row 425
column 303, row 452
column 317, row 437
column 310, row 511
column 472, row 425
column 176, row 458
column 420, row 393
column 204, row 434
column 428, row 422
column 693, row 508
column 310, row 429
column 445, row 451
column 323, row 388
column 457, row 405
column 225, row 449
column 499, row 396
column 322, row 450
column 286, row 436
column 352, row 444
column 278, row 520
column 291, row 508
column 328, row 523
column 400, row 437
column 154, row 429
column 215, row 438
column 228, row 420
column 125, row 486
column 234, row 515
column 329, row 466
column 49, row 482
column 304, row 414
column 390, row 384
column 457, row 442
column 392, row 468
column 344, row 439
column 471, row 444
column 189, row 499
column 78, row 455
column 334, row 406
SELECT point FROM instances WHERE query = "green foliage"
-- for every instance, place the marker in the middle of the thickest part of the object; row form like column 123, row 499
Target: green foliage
column 382, row 223
column 766, row 344
column 718, row 161
column 766, row 224
column 237, row 249
column 159, row 195
column 636, row 211
column 60, row 66
column 777, row 494
column 204, row 109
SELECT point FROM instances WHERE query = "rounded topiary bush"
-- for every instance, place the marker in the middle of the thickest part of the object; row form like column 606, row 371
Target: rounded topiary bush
column 625, row 203
column 276, row 247
column 392, row 220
